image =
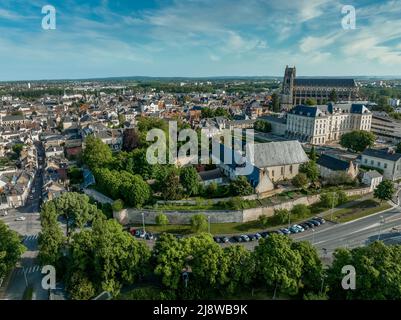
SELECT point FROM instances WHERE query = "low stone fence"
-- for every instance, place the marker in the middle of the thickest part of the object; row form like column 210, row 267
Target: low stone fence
column 134, row 216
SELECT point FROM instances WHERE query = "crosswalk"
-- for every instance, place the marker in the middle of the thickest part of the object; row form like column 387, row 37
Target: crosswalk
column 28, row 270
column 30, row 238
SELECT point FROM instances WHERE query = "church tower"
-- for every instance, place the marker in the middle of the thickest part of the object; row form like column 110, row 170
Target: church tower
column 287, row 91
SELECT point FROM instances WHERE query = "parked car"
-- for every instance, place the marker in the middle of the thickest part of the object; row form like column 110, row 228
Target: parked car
column 237, row 239
column 309, row 224
column 294, row 229
column 245, row 237
column 149, row 236
column 4, row 214
column 20, row 219
column 258, row 236
column 264, row 234
column 224, row 239
column 285, row 231
column 315, row 222
column 217, row 239
column 299, row 227
column 252, row 237
column 321, row 220
column 304, row 225
column 280, row 232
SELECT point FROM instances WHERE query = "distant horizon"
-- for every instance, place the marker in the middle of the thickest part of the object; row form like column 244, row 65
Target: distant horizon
column 244, row 77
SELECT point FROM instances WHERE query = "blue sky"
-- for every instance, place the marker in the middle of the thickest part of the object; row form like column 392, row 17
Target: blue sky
column 101, row 38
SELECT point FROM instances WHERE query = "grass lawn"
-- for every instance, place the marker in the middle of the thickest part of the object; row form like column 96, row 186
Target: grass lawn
column 359, row 210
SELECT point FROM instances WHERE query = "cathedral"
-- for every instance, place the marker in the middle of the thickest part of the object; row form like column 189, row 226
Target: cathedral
column 297, row 91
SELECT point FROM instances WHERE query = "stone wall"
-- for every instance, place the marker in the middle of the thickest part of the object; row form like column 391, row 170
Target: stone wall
column 134, row 216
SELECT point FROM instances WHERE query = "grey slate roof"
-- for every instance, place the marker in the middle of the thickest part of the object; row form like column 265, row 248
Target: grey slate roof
column 325, row 82
column 382, row 154
column 279, row 153
column 332, row 163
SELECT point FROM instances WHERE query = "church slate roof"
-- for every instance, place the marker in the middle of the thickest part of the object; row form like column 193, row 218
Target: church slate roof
column 325, row 82
column 279, row 154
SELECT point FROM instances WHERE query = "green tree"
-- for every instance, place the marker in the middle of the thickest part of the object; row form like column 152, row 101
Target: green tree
column 281, row 216
column 161, row 220
column 51, row 237
column 80, row 287
column 199, row 223
column 385, row 190
column 17, row 148
column 378, row 274
column 300, row 211
column 357, row 140
column 312, row 267
column 241, row 187
column 398, row 148
column 329, row 199
column 76, row 210
column 118, row 205
column 108, row 257
column 300, row 180
column 241, row 268
column 263, row 221
column 263, row 126
column 136, row 192
column 11, row 248
column 310, row 102
column 311, row 170
column 278, row 265
column 96, row 153
column 171, row 187
column 189, row 179
column 312, row 154
column 275, row 102
column 333, row 96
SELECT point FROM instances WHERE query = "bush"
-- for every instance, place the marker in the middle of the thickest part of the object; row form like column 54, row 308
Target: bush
column 241, row 187
column 300, row 211
column 280, row 216
column 263, row 221
column 199, row 223
column 161, row 219
column 300, row 180
column 118, row 205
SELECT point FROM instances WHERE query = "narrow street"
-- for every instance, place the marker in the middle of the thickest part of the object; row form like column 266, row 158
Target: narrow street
column 28, row 272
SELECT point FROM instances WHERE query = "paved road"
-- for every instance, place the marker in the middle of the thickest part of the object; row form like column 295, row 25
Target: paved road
column 28, row 270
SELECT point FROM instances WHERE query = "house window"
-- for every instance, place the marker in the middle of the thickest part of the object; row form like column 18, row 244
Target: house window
column 272, row 173
column 378, row 163
column 282, row 171
column 366, row 160
column 385, row 166
column 372, row 162
column 291, row 169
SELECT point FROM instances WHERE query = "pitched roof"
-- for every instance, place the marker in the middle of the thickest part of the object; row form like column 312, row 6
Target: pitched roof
column 279, row 153
column 325, row 82
column 381, row 154
column 332, row 163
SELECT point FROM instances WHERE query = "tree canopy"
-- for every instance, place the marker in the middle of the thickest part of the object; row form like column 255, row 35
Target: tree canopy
column 357, row 140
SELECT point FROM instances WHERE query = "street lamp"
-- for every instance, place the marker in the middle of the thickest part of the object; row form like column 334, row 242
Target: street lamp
column 143, row 221
column 332, row 205
column 313, row 236
column 382, row 221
